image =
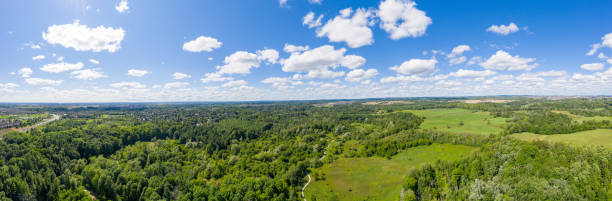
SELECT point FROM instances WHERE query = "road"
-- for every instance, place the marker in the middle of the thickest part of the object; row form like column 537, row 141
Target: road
column 26, row 129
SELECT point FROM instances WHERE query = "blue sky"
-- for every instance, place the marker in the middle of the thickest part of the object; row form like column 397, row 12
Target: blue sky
column 135, row 50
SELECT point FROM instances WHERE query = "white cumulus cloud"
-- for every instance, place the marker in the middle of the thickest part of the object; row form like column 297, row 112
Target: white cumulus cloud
column 350, row 28
column 268, row 55
column 592, row 66
column 202, row 43
column 61, row 67
column 173, row 85
column 359, row 75
column 239, row 62
column 83, row 38
column 128, row 85
column 215, row 77
column 179, row 76
column 122, row 6
column 503, row 29
column 235, row 83
column 416, row 66
column 25, row 72
column 606, row 41
column 401, row 19
column 41, row 81
column 39, row 57
column 501, row 60
column 310, row 21
column 472, row 73
column 87, row 74
column 93, row 61
column 321, row 59
column 289, row 48
column 137, row 73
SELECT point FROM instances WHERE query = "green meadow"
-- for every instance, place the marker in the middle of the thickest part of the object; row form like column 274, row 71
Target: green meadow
column 580, row 118
column 599, row 137
column 460, row 121
column 377, row 178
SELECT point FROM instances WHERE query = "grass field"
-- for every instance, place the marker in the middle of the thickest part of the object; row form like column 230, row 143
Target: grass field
column 449, row 120
column 599, row 137
column 377, row 178
column 580, row 118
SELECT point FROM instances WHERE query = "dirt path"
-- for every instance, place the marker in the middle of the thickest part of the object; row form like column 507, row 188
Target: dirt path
column 304, row 188
column 91, row 195
column 306, row 185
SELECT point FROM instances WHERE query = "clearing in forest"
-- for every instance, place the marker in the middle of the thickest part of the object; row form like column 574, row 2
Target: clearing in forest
column 599, row 137
column 580, row 118
column 377, row 178
column 460, row 121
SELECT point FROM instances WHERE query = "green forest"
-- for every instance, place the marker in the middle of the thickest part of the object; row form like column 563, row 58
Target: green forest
column 283, row 150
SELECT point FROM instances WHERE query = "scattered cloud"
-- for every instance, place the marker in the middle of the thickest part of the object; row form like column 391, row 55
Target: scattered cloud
column 352, row 61
column 215, row 77
column 239, row 62
column 282, row 82
column 268, row 55
column 459, row 50
column 41, row 81
column 503, row 29
column 87, row 74
column 461, row 73
column 128, row 85
column 501, row 60
column 202, row 43
column 456, row 55
column 310, row 21
column 474, row 60
column 173, row 85
column 282, row 3
column 8, row 87
column 592, row 66
column 178, row 76
column 416, row 67
column 606, row 41
column 350, row 27
column 25, row 72
column 39, row 57
column 289, row 48
column 82, row 38
column 93, row 61
column 323, row 74
column 359, row 75
column 122, row 6
column 401, row 19
column 318, row 61
column 235, row 83
column 61, row 67
column 137, row 73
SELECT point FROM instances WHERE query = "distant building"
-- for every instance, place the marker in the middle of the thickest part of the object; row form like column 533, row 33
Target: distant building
column 8, row 123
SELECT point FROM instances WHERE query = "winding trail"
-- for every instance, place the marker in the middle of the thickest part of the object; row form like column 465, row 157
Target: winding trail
column 304, row 188
column 322, row 157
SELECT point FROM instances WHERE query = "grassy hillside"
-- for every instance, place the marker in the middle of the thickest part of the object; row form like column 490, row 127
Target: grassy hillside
column 377, row 178
column 599, row 137
column 449, row 120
